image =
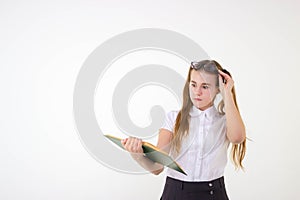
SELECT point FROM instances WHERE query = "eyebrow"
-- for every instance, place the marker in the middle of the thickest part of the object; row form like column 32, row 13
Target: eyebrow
column 201, row 83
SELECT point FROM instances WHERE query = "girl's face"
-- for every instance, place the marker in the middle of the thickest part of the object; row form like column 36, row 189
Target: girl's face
column 203, row 89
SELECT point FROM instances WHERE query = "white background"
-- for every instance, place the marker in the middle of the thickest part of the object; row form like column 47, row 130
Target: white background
column 43, row 45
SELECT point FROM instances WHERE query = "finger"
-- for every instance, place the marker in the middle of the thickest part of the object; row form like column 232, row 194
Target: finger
column 124, row 141
column 226, row 76
column 131, row 144
column 221, row 79
column 140, row 146
column 127, row 144
column 134, row 145
column 137, row 145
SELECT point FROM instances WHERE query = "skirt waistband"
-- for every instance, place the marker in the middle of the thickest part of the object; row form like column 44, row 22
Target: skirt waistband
column 202, row 185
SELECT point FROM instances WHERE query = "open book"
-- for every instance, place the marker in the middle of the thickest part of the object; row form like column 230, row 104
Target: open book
column 153, row 153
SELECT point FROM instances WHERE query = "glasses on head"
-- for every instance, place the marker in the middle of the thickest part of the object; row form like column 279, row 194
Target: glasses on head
column 210, row 67
column 207, row 66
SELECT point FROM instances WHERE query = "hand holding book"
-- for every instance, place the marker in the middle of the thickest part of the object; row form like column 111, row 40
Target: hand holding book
column 139, row 149
column 134, row 146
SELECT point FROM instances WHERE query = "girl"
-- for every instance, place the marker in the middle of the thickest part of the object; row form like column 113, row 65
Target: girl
column 198, row 136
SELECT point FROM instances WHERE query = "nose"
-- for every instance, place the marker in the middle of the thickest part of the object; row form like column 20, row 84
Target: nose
column 198, row 91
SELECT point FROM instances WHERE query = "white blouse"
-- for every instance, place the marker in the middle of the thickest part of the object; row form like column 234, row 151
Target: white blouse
column 203, row 154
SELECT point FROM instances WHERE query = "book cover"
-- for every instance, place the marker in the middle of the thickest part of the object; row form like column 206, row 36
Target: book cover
column 153, row 153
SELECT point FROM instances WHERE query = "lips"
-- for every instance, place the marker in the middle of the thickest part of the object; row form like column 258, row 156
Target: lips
column 197, row 99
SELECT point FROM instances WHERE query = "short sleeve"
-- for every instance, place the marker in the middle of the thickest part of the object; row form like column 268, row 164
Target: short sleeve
column 170, row 120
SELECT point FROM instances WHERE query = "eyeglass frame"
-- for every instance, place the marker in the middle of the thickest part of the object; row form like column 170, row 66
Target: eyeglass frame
column 193, row 66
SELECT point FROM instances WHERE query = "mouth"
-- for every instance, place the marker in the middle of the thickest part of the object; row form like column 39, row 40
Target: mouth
column 197, row 99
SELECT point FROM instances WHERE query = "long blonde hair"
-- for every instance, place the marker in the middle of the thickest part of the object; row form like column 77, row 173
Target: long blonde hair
column 181, row 128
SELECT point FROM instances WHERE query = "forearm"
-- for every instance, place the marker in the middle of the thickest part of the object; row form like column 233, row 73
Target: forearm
column 147, row 164
column 235, row 126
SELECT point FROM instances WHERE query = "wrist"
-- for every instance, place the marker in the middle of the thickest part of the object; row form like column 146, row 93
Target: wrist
column 137, row 156
column 228, row 95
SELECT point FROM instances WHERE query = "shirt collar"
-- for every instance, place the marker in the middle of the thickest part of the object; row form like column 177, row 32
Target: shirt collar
column 209, row 112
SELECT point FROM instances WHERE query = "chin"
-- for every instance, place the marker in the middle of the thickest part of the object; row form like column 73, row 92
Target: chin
column 199, row 106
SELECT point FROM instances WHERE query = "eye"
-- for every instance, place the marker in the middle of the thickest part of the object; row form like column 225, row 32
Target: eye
column 205, row 87
column 193, row 84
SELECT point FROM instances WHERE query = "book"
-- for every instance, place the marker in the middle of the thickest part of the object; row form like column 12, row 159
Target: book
column 153, row 153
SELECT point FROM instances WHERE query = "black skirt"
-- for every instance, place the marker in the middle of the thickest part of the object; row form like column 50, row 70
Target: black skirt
column 182, row 190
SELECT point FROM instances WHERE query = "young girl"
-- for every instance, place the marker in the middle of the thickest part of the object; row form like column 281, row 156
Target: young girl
column 198, row 136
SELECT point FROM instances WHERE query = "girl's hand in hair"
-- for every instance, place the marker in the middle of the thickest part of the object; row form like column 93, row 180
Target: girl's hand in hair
column 134, row 146
column 226, row 85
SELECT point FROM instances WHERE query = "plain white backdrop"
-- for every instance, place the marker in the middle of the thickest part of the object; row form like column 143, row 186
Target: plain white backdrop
column 44, row 44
